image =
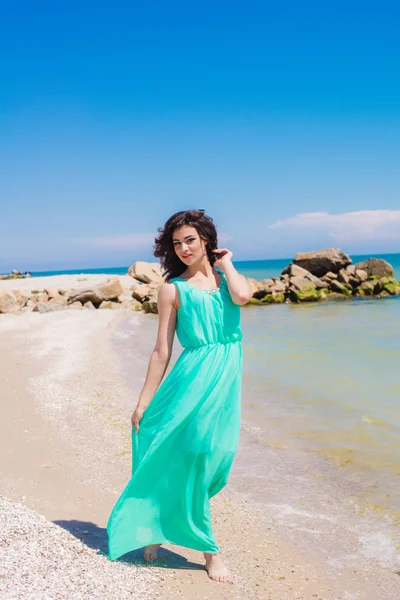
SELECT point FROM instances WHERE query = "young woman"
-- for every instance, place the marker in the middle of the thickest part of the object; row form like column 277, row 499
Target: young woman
column 185, row 431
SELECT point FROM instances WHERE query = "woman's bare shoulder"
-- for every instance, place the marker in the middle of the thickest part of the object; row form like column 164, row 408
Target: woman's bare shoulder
column 167, row 292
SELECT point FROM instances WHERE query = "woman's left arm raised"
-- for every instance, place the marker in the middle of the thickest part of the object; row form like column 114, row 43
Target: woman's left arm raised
column 239, row 287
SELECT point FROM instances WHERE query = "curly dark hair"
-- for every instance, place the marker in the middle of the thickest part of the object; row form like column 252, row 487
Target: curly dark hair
column 164, row 248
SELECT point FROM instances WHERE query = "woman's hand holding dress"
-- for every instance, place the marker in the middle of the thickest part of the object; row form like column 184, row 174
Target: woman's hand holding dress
column 137, row 417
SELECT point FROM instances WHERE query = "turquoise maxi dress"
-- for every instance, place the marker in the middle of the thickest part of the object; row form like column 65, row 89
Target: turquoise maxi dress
column 189, row 433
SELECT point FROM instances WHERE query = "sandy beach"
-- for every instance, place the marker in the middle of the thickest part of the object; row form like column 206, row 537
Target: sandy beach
column 65, row 458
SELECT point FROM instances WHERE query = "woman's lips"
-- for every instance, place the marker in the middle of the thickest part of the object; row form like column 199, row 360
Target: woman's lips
column 186, row 255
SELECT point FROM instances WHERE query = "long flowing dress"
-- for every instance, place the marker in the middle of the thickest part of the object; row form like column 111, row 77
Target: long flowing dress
column 188, row 435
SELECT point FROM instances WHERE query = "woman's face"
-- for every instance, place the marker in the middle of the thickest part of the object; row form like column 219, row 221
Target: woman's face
column 188, row 245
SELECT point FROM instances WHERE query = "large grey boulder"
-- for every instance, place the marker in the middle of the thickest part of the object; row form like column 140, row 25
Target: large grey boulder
column 300, row 283
column 361, row 274
column 375, row 267
column 321, row 262
column 296, row 273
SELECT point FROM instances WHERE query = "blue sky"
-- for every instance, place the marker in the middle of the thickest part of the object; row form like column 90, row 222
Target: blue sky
column 282, row 120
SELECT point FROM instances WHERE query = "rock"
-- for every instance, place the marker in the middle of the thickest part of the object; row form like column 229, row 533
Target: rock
column 368, row 287
column 278, row 297
column 268, row 299
column 322, row 261
column 150, row 306
column 106, row 304
column 146, row 272
column 387, row 279
column 14, row 275
column 8, row 302
column 286, row 270
column 142, row 292
column 320, row 284
column 354, row 281
column 58, row 299
column 295, row 271
column 40, row 297
column 393, row 289
column 255, row 301
column 383, row 294
column 329, row 277
column 351, row 269
column 335, row 296
column 344, row 276
column 340, row 288
column 21, row 298
column 52, row 293
column 131, row 304
column 266, row 284
column 306, row 294
column 300, row 283
column 75, row 305
column 279, row 287
column 254, row 283
column 106, row 291
column 361, row 274
column 110, row 290
column 375, row 267
column 45, row 307
column 29, row 307
column 384, row 283
column 259, row 294
column 89, row 305
column 126, row 296
column 269, row 286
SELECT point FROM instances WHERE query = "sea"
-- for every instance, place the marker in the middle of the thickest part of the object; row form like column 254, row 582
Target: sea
column 320, row 441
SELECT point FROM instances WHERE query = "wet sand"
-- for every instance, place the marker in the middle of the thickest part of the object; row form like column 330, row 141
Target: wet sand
column 65, row 452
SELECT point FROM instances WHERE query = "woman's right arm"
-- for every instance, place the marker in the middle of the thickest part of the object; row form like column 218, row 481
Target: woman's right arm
column 161, row 354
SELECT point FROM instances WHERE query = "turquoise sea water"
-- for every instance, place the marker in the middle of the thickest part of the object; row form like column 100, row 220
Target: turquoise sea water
column 324, row 378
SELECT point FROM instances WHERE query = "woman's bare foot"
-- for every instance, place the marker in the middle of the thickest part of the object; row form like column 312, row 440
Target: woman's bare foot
column 216, row 569
column 150, row 552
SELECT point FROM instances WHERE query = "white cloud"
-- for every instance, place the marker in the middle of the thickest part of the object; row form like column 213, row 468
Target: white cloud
column 351, row 227
column 223, row 238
